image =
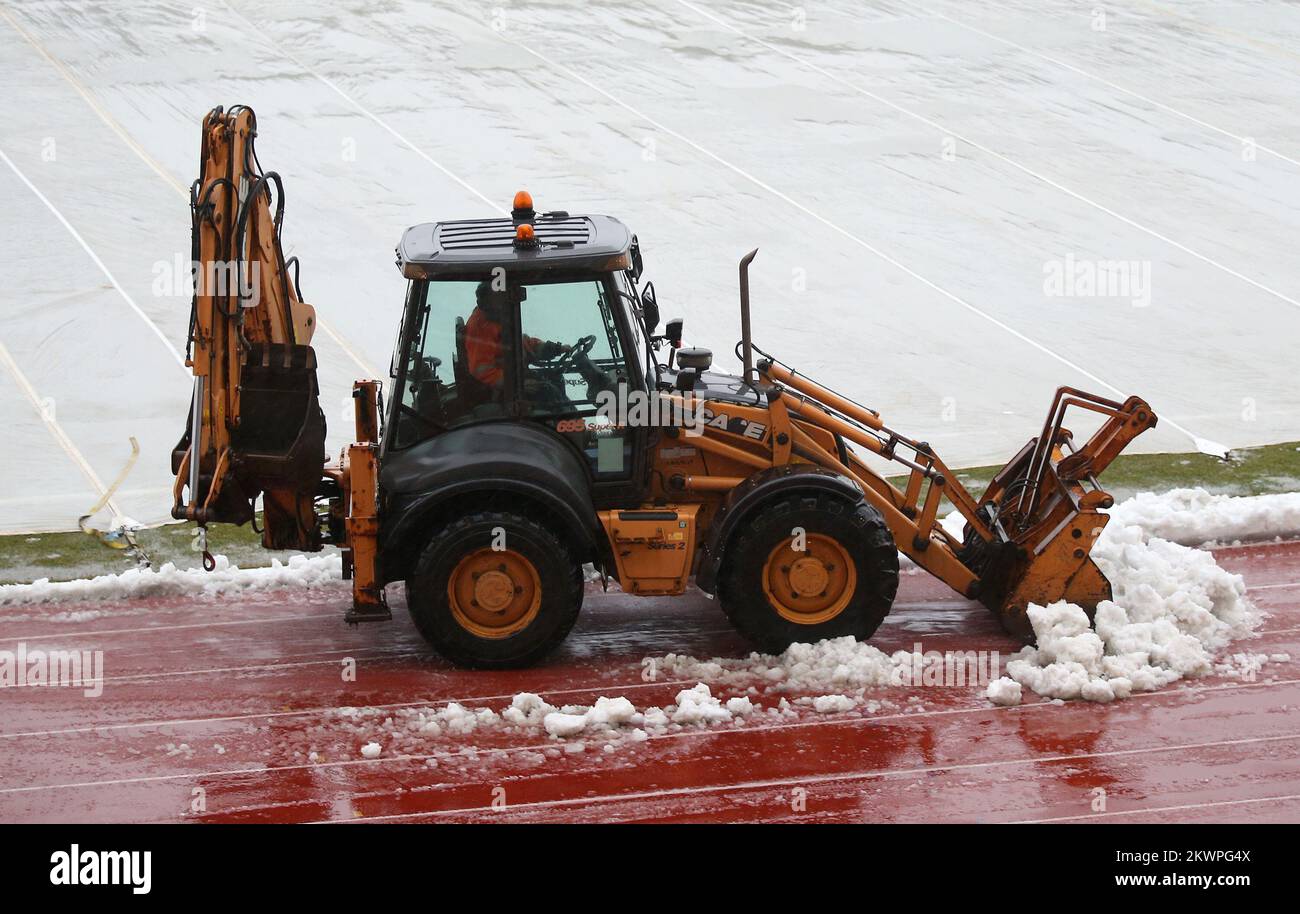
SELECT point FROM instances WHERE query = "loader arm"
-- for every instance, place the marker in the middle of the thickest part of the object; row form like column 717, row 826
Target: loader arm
column 1027, row 538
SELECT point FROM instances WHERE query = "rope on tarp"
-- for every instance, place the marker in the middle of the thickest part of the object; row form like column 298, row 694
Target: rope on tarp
column 123, row 535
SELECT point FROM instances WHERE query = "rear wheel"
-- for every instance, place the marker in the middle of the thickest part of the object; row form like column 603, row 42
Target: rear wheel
column 495, row 590
column 837, row 578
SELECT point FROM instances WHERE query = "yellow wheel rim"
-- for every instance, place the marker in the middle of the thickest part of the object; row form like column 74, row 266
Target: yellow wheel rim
column 812, row 586
column 494, row 594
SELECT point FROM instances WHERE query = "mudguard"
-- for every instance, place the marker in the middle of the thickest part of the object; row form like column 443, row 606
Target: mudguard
column 520, row 459
column 751, row 495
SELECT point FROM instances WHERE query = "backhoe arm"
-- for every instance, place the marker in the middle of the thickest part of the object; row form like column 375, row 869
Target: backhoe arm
column 255, row 425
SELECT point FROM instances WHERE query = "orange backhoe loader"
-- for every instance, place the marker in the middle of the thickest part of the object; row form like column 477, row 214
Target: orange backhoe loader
column 533, row 428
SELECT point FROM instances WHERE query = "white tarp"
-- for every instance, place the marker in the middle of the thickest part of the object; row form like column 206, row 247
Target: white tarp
column 912, row 180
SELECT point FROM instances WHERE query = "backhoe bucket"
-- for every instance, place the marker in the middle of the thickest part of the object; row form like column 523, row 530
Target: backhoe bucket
column 1046, row 510
column 275, row 449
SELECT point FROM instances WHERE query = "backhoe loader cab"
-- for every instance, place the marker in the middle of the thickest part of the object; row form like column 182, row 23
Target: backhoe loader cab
column 533, row 425
column 528, row 319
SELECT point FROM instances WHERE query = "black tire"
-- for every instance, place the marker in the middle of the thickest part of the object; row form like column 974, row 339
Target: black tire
column 447, row 625
column 861, row 535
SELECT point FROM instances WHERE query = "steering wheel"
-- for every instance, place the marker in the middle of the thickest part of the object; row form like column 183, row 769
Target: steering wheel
column 424, row 369
column 569, row 360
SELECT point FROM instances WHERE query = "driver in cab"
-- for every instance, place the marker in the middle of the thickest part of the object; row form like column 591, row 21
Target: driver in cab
column 485, row 351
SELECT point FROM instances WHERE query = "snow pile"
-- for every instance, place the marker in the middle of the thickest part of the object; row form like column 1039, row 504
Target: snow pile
column 610, row 721
column 1194, row 516
column 833, row 704
column 609, row 713
column 833, row 676
column 1003, row 691
column 1174, row 608
column 836, row 664
column 452, row 719
column 300, row 571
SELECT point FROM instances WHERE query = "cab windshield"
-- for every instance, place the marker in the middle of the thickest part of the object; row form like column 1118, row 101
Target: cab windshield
column 480, row 349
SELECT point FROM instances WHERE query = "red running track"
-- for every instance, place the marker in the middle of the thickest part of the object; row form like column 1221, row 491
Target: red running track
column 211, row 709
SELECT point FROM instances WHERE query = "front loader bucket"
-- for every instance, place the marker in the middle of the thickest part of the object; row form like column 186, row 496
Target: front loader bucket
column 1046, row 510
column 1059, row 568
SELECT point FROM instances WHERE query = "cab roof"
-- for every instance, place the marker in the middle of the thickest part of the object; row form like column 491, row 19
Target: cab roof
column 563, row 242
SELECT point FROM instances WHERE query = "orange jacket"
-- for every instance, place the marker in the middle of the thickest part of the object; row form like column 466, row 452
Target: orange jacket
column 484, row 350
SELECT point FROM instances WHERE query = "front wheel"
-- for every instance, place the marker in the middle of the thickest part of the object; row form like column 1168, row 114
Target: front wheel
column 495, row 590
column 810, row 567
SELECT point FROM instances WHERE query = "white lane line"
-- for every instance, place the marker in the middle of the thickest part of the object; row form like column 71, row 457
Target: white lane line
column 1056, row 61
column 157, row 331
column 1289, row 584
column 55, row 430
column 429, row 703
column 113, row 124
column 820, row 779
column 1152, row 809
column 101, row 633
column 1202, row 444
column 974, row 144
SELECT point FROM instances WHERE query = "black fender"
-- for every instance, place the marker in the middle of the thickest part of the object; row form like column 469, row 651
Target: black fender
column 751, row 495
column 497, row 458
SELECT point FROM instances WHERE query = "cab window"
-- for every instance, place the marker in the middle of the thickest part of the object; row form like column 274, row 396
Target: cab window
column 439, row 389
column 572, row 355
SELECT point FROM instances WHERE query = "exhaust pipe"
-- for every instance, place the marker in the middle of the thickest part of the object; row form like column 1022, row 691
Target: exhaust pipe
column 746, row 342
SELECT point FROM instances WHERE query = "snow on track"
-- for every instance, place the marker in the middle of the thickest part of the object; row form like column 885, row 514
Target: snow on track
column 1195, row 517
column 299, row 571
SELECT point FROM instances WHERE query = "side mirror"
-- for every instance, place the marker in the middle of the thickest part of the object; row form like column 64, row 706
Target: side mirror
column 650, row 308
column 637, row 263
column 673, row 331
